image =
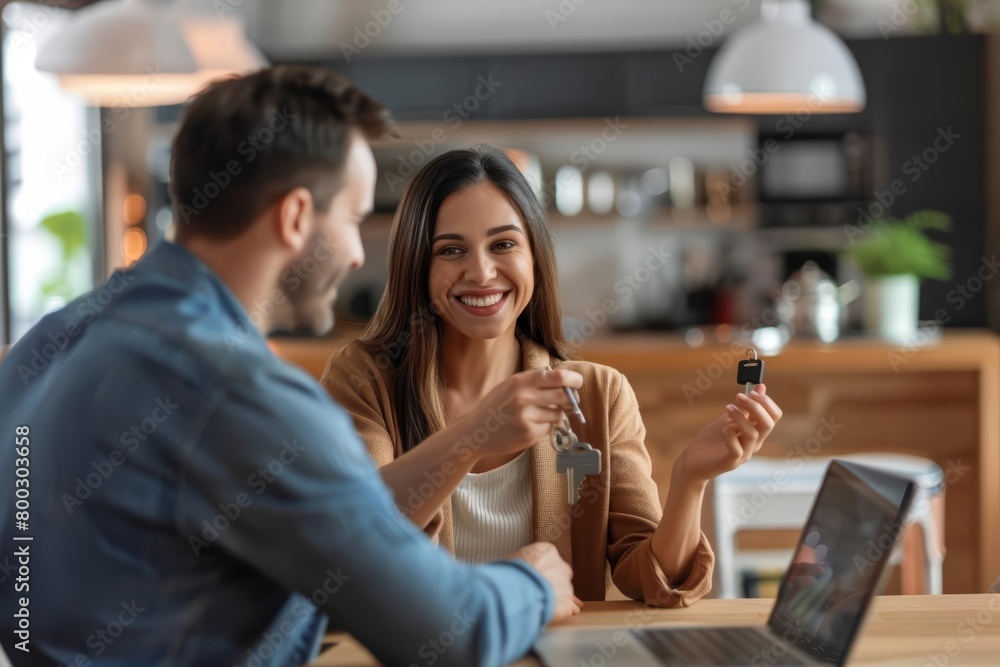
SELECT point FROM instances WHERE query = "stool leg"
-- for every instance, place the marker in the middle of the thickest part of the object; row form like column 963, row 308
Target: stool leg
column 921, row 570
column 724, row 544
column 932, row 524
column 935, row 577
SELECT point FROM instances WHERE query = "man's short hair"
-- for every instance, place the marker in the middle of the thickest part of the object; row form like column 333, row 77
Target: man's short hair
column 245, row 142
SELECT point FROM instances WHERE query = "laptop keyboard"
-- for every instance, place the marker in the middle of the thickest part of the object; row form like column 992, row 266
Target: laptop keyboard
column 718, row 647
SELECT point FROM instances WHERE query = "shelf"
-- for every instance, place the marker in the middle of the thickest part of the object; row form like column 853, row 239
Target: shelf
column 832, row 238
column 742, row 218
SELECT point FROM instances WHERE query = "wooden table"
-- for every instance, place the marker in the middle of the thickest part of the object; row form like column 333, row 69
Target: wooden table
column 918, row 631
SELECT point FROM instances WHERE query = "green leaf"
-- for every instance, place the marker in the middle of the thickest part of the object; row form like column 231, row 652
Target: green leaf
column 891, row 247
column 70, row 228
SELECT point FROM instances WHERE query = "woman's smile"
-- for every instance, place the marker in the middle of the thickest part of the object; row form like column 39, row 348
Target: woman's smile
column 483, row 303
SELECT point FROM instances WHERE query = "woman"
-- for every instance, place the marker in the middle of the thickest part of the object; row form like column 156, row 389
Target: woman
column 449, row 388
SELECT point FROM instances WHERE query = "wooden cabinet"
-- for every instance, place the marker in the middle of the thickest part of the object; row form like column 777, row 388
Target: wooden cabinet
column 941, row 402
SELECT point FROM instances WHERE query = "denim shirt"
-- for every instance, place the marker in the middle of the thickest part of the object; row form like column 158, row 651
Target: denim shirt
column 194, row 500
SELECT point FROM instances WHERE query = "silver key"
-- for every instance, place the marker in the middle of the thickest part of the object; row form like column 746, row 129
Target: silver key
column 576, row 462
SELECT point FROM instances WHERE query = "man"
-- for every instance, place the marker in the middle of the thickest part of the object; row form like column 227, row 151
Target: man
column 191, row 499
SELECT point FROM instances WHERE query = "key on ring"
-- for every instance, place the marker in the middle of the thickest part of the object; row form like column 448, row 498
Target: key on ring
column 576, row 459
column 750, row 371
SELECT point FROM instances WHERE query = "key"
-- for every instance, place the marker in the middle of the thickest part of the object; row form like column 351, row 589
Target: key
column 750, row 371
column 576, row 462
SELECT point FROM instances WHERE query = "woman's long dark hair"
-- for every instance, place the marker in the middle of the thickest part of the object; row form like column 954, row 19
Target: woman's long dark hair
column 406, row 330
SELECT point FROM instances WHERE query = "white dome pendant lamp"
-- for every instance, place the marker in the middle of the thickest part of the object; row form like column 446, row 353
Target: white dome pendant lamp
column 132, row 53
column 120, row 53
column 784, row 63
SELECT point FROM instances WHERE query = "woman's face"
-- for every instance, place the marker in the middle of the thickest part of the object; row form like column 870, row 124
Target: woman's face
column 482, row 269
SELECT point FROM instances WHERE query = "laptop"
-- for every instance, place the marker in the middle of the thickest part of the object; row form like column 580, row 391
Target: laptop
column 824, row 594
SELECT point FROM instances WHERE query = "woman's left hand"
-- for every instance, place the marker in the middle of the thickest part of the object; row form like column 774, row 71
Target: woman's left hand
column 729, row 441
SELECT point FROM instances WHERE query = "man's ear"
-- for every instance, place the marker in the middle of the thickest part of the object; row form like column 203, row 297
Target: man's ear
column 295, row 219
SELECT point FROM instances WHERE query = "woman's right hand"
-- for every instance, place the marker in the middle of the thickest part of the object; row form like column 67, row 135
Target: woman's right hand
column 520, row 410
column 545, row 558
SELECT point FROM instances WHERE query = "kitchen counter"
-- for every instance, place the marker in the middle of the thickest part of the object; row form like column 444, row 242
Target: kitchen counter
column 940, row 401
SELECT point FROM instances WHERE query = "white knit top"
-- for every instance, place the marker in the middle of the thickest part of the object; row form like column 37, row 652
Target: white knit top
column 491, row 512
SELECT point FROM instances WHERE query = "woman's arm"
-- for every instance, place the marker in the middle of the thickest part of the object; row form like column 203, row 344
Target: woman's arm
column 510, row 418
column 423, row 478
column 723, row 445
column 636, row 516
column 665, row 559
column 675, row 541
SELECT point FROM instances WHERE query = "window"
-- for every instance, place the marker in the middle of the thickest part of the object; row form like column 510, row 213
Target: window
column 52, row 189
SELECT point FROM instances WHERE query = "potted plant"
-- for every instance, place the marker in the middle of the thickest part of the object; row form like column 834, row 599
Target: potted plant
column 895, row 255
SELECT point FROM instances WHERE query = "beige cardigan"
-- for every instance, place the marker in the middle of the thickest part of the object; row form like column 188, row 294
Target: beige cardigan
column 618, row 511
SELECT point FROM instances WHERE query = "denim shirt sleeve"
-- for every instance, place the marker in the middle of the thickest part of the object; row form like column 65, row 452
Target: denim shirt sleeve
column 315, row 517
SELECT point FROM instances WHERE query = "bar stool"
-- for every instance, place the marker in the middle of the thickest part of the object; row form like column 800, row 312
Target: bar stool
column 777, row 494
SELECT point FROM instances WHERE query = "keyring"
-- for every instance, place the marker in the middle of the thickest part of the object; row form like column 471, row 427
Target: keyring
column 563, row 439
column 749, row 350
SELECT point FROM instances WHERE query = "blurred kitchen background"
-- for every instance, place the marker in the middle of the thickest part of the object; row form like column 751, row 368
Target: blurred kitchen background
column 777, row 224
column 600, row 102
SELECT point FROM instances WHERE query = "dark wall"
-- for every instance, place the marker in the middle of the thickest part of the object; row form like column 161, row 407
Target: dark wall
column 916, row 87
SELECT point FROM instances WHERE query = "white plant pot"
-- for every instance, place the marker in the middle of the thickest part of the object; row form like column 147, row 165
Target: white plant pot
column 892, row 306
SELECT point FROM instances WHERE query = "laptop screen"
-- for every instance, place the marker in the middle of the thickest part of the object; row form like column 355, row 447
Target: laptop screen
column 837, row 565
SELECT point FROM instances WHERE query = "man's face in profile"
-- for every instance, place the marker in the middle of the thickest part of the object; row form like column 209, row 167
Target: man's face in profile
column 310, row 284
